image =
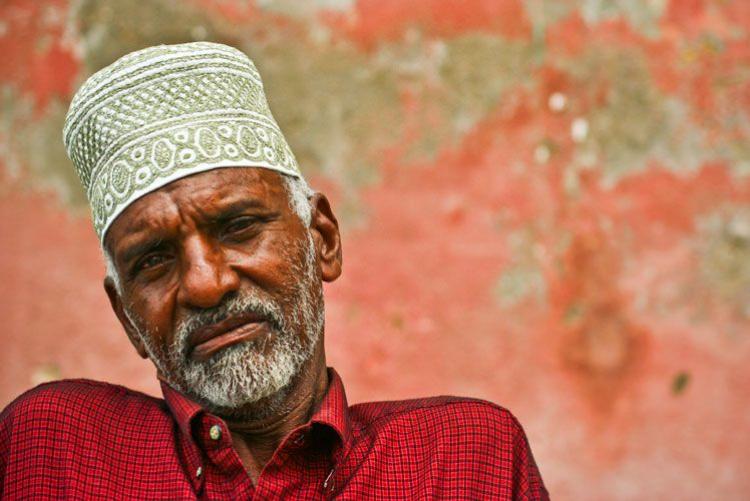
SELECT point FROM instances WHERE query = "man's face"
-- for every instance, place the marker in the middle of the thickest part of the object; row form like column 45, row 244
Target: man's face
column 220, row 284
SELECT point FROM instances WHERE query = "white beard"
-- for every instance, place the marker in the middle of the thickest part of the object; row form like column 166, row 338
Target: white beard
column 247, row 372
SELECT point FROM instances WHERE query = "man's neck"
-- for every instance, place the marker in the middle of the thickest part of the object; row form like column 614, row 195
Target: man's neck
column 255, row 441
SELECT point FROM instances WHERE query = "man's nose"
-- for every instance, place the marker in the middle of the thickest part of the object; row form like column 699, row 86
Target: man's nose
column 206, row 276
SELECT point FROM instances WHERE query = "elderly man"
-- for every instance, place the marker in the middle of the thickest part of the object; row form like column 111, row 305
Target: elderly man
column 216, row 251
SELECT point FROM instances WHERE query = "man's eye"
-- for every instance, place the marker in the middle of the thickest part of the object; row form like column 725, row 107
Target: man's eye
column 239, row 225
column 150, row 261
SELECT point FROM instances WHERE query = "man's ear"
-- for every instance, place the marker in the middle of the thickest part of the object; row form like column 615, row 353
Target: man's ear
column 327, row 238
column 116, row 301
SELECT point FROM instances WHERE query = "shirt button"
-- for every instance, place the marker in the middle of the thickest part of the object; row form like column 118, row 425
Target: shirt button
column 215, row 432
column 199, row 472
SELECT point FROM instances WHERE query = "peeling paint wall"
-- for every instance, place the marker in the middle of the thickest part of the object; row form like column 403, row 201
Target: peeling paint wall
column 544, row 203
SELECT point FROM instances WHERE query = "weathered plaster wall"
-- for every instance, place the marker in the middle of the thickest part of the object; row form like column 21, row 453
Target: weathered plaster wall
column 545, row 204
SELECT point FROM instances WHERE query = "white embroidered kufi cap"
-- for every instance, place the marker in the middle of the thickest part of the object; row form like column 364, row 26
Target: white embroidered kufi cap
column 166, row 112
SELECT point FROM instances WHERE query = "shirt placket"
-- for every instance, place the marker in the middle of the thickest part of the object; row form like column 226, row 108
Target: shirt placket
column 223, row 475
column 335, row 477
column 296, row 462
column 192, row 461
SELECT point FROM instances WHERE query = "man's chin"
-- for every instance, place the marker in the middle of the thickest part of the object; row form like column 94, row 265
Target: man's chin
column 241, row 380
column 250, row 409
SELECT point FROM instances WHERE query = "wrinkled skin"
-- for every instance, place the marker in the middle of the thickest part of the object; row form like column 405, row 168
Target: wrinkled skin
column 189, row 246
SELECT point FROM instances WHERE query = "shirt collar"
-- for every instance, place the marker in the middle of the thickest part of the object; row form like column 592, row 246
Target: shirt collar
column 183, row 409
column 333, row 410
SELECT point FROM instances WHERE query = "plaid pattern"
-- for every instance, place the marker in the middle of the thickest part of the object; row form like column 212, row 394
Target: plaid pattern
column 88, row 440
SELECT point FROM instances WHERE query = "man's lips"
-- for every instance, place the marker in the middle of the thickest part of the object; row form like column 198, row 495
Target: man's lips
column 208, row 340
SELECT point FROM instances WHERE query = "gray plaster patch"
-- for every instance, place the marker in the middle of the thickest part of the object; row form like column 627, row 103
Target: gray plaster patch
column 636, row 123
column 523, row 279
column 308, row 8
column 643, row 15
column 33, row 144
column 724, row 243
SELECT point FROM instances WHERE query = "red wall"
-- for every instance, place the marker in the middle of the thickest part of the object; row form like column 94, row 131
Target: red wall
column 544, row 204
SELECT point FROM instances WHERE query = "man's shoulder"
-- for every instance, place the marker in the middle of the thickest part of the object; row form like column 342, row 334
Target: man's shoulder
column 460, row 447
column 72, row 401
column 442, row 416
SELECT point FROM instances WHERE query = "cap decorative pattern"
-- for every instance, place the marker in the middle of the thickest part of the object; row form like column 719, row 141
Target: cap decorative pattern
column 166, row 112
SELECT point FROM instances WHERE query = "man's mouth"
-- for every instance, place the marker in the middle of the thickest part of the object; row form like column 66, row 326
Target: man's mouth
column 206, row 341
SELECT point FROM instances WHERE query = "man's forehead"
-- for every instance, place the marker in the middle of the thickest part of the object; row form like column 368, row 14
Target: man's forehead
column 207, row 194
column 224, row 183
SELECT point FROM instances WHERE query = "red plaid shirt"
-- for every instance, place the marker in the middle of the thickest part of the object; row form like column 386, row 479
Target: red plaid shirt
column 84, row 439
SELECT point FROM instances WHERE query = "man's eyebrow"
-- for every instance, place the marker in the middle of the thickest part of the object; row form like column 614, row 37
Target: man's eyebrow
column 234, row 208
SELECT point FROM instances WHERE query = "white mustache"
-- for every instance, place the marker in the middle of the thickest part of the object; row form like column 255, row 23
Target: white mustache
column 243, row 303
